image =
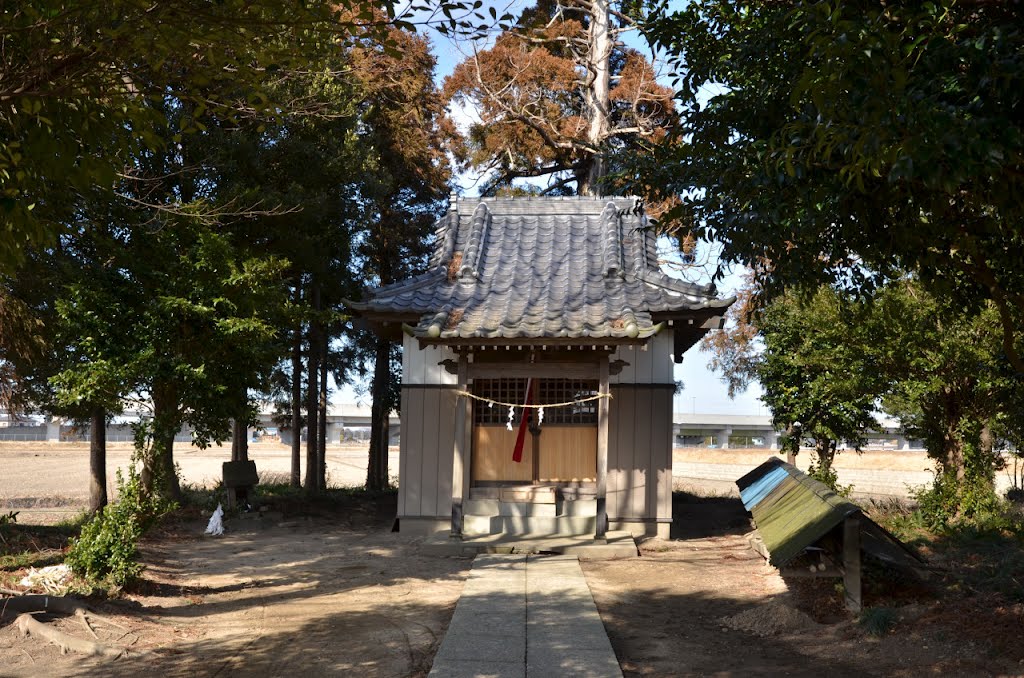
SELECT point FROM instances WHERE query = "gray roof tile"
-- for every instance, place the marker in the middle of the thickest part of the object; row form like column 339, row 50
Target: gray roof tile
column 529, row 268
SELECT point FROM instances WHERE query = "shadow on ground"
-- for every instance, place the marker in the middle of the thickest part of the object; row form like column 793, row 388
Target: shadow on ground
column 694, row 517
column 337, row 596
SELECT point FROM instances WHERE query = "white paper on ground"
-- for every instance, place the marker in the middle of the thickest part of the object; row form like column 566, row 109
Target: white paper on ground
column 216, row 525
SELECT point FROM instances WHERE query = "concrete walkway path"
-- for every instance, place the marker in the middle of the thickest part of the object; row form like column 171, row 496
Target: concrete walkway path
column 526, row 616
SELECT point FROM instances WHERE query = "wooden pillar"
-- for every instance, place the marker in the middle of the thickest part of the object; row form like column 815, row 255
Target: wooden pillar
column 851, row 562
column 460, row 462
column 534, row 430
column 602, row 451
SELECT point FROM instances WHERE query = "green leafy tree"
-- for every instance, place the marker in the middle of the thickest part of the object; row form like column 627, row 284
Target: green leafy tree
column 79, row 78
column 820, row 373
column 21, row 343
column 830, row 361
column 179, row 182
column 41, row 345
column 845, row 143
column 319, row 217
column 179, row 324
column 950, row 387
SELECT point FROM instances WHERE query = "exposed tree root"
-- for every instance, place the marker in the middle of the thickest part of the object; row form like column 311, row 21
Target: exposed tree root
column 29, row 624
column 37, row 603
column 26, row 607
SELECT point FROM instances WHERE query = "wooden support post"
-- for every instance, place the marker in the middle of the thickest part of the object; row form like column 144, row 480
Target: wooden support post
column 851, row 562
column 602, row 452
column 460, row 462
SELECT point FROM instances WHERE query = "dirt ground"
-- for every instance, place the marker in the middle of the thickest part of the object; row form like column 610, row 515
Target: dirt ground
column 341, row 595
column 338, row 594
column 48, row 482
column 704, row 604
column 326, row 596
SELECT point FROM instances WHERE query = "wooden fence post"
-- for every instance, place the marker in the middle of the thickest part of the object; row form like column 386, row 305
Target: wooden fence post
column 851, row 562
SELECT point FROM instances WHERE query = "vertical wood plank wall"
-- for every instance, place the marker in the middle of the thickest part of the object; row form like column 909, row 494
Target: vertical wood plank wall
column 492, row 454
column 428, row 433
column 651, row 366
column 568, row 453
column 640, row 453
column 426, row 452
column 640, row 435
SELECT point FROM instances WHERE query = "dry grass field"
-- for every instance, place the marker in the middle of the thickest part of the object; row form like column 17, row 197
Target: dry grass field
column 48, row 482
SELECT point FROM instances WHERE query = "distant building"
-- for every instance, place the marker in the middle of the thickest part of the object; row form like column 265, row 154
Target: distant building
column 349, row 423
column 725, row 431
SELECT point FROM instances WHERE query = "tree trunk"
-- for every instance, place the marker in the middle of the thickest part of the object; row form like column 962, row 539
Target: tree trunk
column 792, row 444
column 98, row 460
column 239, row 440
column 312, row 398
column 825, row 449
column 171, row 484
column 952, row 440
column 322, row 415
column 377, row 465
column 598, row 93
column 987, row 445
column 158, row 472
column 297, row 409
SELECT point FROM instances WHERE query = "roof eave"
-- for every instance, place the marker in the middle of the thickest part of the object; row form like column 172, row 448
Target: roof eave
column 690, row 325
column 559, row 342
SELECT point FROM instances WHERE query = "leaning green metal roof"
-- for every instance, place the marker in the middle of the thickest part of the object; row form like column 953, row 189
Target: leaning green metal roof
column 541, row 268
column 793, row 511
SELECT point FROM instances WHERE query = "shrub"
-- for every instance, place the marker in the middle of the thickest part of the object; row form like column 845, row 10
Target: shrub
column 107, row 548
column 827, row 475
column 877, row 621
column 971, row 502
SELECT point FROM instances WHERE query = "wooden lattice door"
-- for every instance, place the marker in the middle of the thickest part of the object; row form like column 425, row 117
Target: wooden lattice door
column 560, row 449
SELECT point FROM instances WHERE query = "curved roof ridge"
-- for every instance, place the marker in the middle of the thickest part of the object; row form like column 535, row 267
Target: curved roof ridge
column 655, row 276
column 373, row 296
column 445, row 233
column 478, row 227
column 612, row 239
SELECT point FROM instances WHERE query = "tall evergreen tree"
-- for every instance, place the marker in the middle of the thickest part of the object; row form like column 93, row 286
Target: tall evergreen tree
column 407, row 134
column 559, row 96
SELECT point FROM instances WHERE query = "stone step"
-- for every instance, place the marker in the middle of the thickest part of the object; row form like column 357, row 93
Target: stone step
column 617, row 544
column 534, row 526
column 577, row 507
column 495, row 507
column 534, row 495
